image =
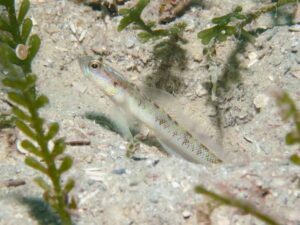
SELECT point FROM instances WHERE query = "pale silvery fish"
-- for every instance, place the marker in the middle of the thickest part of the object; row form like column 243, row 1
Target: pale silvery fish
column 126, row 96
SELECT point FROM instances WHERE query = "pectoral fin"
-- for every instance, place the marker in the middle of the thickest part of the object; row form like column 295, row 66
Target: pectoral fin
column 123, row 123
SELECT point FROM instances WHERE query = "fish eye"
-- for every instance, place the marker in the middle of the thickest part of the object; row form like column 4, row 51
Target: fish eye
column 94, row 64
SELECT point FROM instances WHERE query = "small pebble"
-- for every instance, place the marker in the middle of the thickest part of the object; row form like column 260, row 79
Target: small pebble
column 189, row 94
column 252, row 55
column 197, row 56
column 130, row 43
column 91, row 182
column 201, row 91
column 175, row 184
column 99, row 49
column 186, row 214
column 48, row 63
column 89, row 159
column 82, row 35
column 122, row 147
column 52, row 29
column 119, row 171
column 72, row 27
column 260, row 101
column 252, row 59
column 154, row 198
column 131, row 66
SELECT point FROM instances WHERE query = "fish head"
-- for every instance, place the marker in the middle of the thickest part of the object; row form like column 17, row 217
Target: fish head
column 111, row 82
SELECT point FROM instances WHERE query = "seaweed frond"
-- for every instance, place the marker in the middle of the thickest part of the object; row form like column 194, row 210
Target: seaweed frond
column 233, row 24
column 289, row 111
column 17, row 50
column 133, row 16
column 244, row 206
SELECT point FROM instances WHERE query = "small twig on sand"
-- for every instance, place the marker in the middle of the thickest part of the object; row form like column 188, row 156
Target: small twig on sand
column 78, row 143
column 12, row 183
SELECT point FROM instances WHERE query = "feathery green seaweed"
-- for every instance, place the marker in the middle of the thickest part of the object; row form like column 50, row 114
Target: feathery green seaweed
column 233, row 23
column 17, row 50
column 222, row 30
column 133, row 16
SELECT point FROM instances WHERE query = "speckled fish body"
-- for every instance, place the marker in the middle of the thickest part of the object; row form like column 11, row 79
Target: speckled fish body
column 173, row 137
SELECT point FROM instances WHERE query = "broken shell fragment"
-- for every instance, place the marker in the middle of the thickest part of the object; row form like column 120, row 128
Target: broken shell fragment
column 22, row 51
